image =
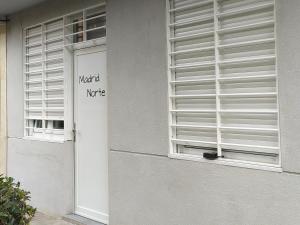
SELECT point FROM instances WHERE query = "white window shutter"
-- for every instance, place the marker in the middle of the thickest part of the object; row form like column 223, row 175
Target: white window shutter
column 44, row 80
column 223, row 80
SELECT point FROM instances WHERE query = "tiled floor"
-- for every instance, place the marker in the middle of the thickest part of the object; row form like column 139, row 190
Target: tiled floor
column 42, row 219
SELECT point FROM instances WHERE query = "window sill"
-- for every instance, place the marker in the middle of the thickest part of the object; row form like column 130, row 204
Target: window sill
column 54, row 140
column 229, row 162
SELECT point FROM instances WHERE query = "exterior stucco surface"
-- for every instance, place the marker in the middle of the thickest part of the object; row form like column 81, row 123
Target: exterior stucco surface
column 152, row 190
column 15, row 99
column 137, row 77
column 46, row 170
column 288, row 33
column 146, row 187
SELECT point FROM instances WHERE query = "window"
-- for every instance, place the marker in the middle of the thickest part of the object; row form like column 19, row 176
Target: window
column 44, row 80
column 223, row 82
column 48, row 54
column 86, row 25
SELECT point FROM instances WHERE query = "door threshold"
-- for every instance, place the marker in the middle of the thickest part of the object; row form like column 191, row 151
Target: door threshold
column 80, row 220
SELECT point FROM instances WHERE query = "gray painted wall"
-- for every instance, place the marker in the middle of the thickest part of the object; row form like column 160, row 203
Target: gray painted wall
column 154, row 190
column 146, row 187
column 46, row 169
column 137, row 78
column 288, row 31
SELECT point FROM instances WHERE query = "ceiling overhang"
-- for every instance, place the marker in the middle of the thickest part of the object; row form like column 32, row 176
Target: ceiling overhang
column 12, row 6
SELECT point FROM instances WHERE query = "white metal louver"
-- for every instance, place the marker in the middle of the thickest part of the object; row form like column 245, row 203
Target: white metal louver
column 222, row 81
column 44, row 80
column 48, row 67
column 84, row 26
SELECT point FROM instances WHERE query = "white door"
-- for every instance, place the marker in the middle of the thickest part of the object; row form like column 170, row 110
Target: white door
column 90, row 113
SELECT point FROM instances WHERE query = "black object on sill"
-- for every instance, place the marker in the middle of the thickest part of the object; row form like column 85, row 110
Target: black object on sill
column 210, row 156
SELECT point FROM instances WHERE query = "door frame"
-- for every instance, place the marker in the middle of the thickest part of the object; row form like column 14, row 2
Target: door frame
column 77, row 52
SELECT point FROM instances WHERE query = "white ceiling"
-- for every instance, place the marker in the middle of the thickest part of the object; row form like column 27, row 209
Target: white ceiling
column 11, row 6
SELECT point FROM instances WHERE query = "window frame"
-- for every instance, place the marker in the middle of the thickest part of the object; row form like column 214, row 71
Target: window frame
column 222, row 161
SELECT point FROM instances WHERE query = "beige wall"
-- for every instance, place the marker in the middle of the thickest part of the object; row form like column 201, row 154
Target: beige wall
column 2, row 98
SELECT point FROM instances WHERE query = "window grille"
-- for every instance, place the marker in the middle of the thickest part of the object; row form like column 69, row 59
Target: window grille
column 86, row 25
column 48, row 68
column 223, row 81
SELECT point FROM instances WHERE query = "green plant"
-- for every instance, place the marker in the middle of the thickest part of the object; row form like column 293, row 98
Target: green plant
column 14, row 208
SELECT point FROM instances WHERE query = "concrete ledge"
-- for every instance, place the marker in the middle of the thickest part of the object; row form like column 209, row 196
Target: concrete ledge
column 79, row 220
